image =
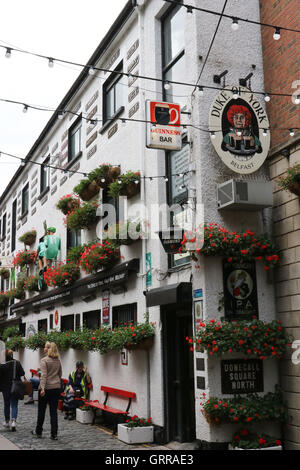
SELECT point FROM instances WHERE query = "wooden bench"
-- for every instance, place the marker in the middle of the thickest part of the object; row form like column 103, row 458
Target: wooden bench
column 95, row 405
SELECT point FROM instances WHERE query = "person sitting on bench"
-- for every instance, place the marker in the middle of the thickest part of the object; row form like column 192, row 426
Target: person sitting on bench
column 77, row 388
column 35, row 381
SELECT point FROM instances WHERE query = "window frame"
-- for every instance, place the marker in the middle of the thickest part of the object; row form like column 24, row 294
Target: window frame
column 25, row 191
column 117, row 311
column 76, row 126
column 108, row 85
column 45, row 189
column 97, row 313
column 14, row 221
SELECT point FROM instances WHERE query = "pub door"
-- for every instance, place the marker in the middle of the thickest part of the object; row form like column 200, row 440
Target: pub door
column 178, row 373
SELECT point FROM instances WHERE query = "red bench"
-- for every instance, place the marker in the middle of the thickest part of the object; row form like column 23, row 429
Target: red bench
column 95, row 405
column 34, row 372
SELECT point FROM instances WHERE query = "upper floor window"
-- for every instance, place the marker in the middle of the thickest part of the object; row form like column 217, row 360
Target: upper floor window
column 45, row 174
column 73, row 238
column 75, row 140
column 113, row 94
column 173, row 54
column 3, row 234
column 25, row 199
column 124, row 314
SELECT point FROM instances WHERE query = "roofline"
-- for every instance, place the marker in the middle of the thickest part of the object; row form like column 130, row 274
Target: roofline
column 110, row 35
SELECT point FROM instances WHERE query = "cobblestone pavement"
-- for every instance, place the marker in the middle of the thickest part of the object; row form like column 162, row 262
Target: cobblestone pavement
column 71, row 434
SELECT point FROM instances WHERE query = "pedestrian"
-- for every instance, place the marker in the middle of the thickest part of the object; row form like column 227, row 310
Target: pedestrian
column 35, row 382
column 49, row 390
column 77, row 388
column 6, row 379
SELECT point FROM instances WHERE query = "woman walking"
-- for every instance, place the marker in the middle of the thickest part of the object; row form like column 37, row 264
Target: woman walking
column 7, row 371
column 50, row 385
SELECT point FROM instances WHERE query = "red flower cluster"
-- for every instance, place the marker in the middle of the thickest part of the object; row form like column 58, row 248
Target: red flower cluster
column 98, row 255
column 25, row 257
column 61, row 275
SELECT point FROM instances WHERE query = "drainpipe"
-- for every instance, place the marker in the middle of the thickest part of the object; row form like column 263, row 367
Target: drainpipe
column 140, row 9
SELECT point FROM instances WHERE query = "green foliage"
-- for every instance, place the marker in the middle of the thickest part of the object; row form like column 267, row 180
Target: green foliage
column 15, row 343
column 31, row 283
column 10, row 332
column 4, row 300
column 61, row 275
column 253, row 337
column 67, row 203
column 128, row 184
column 99, row 255
column 136, row 422
column 82, row 217
column 244, row 409
column 4, row 273
column 28, row 238
column 81, row 186
column 130, row 335
column 292, row 176
column 74, row 254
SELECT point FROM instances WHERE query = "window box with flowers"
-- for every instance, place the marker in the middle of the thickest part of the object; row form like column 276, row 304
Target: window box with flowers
column 24, row 258
column 83, row 217
column 291, row 182
column 247, row 409
column 249, row 440
column 252, row 338
column 61, row 275
column 68, row 203
column 104, row 175
column 84, row 415
column 4, row 300
column 98, row 256
column 136, row 430
column 127, row 184
column 233, row 246
column 28, row 238
column 133, row 337
column 31, row 284
column 86, row 189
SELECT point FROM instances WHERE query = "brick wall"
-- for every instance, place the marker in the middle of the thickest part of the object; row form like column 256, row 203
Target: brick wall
column 281, row 64
column 286, row 219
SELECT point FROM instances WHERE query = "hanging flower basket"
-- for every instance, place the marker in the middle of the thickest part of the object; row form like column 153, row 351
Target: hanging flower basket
column 24, row 258
column 82, row 217
column 4, row 273
column 28, row 238
column 4, row 300
column 98, row 256
column 291, row 182
column 104, row 175
column 86, row 189
column 67, row 204
column 127, row 184
column 31, row 283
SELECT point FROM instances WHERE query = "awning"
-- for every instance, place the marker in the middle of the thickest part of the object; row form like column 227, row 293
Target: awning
column 180, row 293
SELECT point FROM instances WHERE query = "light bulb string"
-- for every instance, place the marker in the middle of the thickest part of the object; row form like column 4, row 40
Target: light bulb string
column 232, row 17
column 144, row 77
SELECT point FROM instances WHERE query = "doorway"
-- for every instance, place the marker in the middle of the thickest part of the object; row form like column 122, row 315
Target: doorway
column 178, row 373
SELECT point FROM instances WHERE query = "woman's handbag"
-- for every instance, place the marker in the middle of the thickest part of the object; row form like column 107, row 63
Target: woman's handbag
column 18, row 387
column 28, row 387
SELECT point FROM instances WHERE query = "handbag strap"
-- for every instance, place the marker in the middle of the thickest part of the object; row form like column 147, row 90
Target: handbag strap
column 14, row 372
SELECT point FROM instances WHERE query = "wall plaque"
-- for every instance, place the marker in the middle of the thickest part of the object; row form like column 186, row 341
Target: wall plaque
column 242, row 376
column 240, row 290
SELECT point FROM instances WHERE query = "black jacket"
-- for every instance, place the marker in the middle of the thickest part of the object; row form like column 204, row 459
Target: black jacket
column 6, row 374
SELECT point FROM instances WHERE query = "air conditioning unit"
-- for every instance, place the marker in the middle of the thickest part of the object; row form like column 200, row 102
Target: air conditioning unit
column 244, row 195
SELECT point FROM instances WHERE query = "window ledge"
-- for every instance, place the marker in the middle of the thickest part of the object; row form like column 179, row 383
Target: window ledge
column 111, row 120
column 24, row 214
column 43, row 193
column 71, row 162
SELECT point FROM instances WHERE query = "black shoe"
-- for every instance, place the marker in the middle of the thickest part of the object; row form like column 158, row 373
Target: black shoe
column 54, row 438
column 39, row 436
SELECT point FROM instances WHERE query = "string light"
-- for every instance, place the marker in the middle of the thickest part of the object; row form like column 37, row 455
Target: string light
column 91, row 71
column 267, row 97
column 25, row 109
column 200, row 90
column 292, row 133
column 297, row 100
column 167, row 86
column 265, row 132
column 60, row 116
column 235, row 24
column 276, row 34
column 8, row 53
column 212, row 135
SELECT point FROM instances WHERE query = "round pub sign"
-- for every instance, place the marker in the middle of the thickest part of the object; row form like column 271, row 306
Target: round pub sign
column 239, row 128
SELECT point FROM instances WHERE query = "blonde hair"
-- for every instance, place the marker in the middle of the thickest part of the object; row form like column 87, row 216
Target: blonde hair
column 52, row 350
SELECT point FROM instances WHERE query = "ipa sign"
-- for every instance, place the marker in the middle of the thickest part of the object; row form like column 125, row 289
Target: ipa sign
column 242, row 376
column 239, row 128
column 163, row 125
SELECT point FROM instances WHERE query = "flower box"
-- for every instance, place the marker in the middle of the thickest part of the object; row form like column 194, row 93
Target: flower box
column 135, row 435
column 84, row 416
column 230, row 447
column 144, row 345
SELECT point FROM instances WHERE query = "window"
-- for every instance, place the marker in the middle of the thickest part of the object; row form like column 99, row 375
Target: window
column 113, row 96
column 124, row 314
column 25, row 199
column 77, row 321
column 14, row 223
column 51, row 322
column 67, row 323
column 73, row 238
column 4, row 226
column 22, row 329
column 115, row 216
column 75, row 140
column 45, row 172
column 91, row 320
column 42, row 325
column 173, row 54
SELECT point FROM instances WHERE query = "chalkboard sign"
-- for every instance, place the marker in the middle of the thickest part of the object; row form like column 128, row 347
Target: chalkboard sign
column 240, row 290
column 242, row 376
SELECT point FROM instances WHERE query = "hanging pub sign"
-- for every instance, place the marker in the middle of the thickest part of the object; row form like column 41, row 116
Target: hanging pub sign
column 163, row 125
column 239, row 129
column 171, row 239
column 240, row 290
column 242, row 376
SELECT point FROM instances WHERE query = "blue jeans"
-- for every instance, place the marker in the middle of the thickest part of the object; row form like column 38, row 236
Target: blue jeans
column 10, row 402
column 35, row 385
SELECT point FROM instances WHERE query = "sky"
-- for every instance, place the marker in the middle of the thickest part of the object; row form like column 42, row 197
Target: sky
column 65, row 29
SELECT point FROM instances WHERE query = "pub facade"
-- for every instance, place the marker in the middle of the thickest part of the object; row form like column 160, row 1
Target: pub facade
column 155, row 52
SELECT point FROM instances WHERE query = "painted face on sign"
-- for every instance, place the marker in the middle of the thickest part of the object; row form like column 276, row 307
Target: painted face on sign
column 239, row 120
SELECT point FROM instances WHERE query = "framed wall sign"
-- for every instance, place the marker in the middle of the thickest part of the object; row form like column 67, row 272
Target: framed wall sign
column 240, row 129
column 242, row 376
column 163, row 126
column 240, row 290
column 198, row 314
column 106, row 308
column 124, row 357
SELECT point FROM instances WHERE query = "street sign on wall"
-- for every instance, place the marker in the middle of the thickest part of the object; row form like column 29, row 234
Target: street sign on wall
column 163, row 125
